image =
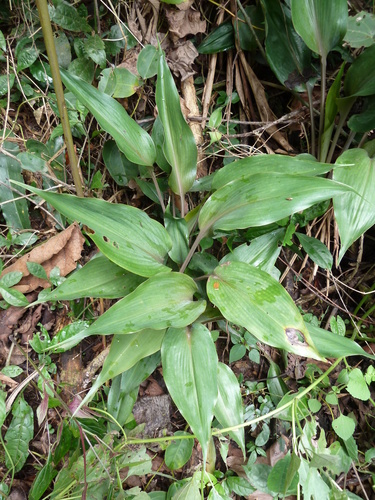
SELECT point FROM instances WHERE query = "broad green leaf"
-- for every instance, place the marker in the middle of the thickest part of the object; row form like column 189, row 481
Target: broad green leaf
column 43, row 479
column 124, row 389
column 124, row 234
column 354, row 213
column 160, row 302
column 119, row 167
column 217, row 492
column 313, row 485
column 252, row 14
column 178, row 231
column 133, row 141
column 124, row 353
column 63, row 50
column 148, row 61
column 178, row 452
column 99, row 278
column 257, row 164
column 32, row 162
column 229, row 409
column 298, row 411
column 338, row 325
column 361, row 30
column 4, row 83
column 120, row 37
column 94, row 49
column 11, row 371
column 334, row 458
column 13, row 297
column 118, row 82
column 3, row 45
column 237, row 352
column 190, row 372
column 157, row 495
column 190, row 491
column 83, row 68
column 250, row 298
column 220, row 39
column 370, row 455
column 262, row 251
column 316, row 250
column 126, row 83
column 11, row 279
column 131, row 378
column 360, row 77
column 37, row 270
column 314, row 405
column 275, row 384
column 158, row 138
column 287, row 54
column 15, row 212
column 19, row 434
column 26, row 57
column 321, row 24
column 357, row 385
column 343, row 426
column 216, row 118
column 240, row 486
column 180, row 148
column 149, row 190
column 364, row 121
column 280, row 479
column 263, row 198
column 67, row 17
column 331, row 345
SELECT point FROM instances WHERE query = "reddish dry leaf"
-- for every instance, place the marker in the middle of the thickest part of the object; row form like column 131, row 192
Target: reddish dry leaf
column 62, row 251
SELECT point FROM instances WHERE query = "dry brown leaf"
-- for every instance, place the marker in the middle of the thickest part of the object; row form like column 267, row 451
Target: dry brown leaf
column 265, row 112
column 153, row 388
column 185, row 22
column 190, row 98
column 62, row 251
column 181, row 59
column 258, row 495
column 9, row 319
column 278, row 450
column 8, row 381
column 130, row 60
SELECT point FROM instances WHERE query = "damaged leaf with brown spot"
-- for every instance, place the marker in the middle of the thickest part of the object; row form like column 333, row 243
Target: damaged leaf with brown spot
column 250, row 297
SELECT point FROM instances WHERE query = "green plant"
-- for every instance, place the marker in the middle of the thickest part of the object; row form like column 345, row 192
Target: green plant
column 170, row 286
column 241, row 292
